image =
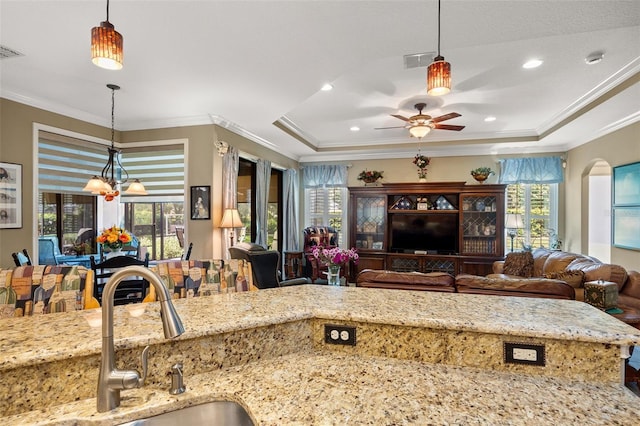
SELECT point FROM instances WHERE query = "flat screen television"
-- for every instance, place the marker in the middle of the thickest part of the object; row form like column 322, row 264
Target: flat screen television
column 433, row 233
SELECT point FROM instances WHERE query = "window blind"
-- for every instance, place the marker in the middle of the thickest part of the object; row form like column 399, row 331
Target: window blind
column 160, row 168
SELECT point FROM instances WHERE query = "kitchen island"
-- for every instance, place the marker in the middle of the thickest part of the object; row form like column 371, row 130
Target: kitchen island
column 419, row 358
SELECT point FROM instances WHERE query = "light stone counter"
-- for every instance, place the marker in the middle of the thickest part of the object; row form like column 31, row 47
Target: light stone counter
column 265, row 349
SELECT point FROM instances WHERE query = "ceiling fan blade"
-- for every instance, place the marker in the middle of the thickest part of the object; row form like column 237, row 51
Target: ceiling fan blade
column 446, row 117
column 400, row 117
column 448, row 127
column 384, row 128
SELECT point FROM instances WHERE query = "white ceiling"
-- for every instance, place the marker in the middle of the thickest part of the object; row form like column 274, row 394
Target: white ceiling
column 248, row 64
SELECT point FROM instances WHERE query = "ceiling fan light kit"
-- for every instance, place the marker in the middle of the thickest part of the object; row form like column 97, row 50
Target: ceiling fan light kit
column 106, row 45
column 439, row 72
column 419, row 130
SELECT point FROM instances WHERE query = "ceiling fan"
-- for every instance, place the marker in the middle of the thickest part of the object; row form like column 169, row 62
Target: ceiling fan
column 421, row 124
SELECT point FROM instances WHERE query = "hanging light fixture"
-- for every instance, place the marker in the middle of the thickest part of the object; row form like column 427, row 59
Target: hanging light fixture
column 106, row 45
column 107, row 183
column 419, row 130
column 439, row 72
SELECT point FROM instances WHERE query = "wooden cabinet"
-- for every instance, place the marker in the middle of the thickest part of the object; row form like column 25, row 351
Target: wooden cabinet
column 442, row 226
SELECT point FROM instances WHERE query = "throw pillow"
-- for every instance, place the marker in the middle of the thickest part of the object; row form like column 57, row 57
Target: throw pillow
column 574, row 278
column 519, row 263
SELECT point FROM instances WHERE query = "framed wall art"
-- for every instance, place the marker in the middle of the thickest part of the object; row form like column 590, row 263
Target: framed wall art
column 200, row 202
column 626, row 206
column 10, row 195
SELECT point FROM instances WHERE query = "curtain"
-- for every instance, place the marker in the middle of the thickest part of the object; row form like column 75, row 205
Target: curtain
column 263, row 178
column 531, row 170
column 290, row 210
column 230, row 167
column 324, row 175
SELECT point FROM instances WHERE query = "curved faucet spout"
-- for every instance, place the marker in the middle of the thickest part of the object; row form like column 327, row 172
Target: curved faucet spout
column 112, row 380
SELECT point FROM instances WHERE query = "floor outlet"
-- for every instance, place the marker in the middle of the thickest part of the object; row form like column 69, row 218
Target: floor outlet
column 340, row 335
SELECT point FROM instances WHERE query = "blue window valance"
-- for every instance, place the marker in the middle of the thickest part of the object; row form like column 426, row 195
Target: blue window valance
column 324, row 176
column 531, row 170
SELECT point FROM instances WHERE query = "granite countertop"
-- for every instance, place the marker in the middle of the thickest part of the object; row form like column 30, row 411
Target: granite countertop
column 314, row 386
column 28, row 340
column 333, row 389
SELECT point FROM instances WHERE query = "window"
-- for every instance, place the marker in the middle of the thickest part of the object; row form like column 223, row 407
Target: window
column 326, row 207
column 154, row 224
column 65, row 216
column 247, row 202
column 538, row 205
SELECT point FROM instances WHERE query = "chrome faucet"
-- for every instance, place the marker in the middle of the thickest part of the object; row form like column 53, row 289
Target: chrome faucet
column 111, row 380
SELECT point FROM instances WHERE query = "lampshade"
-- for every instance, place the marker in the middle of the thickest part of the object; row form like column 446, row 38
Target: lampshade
column 514, row 221
column 231, row 219
column 136, row 188
column 439, row 77
column 106, row 45
column 419, row 130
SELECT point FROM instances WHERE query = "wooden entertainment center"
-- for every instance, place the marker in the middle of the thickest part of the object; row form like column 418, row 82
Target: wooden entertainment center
column 441, row 226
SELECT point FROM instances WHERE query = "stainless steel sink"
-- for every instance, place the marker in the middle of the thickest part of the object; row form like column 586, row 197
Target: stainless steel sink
column 226, row 413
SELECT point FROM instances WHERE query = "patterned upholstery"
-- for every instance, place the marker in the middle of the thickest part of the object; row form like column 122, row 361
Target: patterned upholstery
column 324, row 236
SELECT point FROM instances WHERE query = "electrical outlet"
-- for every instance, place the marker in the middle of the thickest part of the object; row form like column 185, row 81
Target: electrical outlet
column 340, row 334
column 524, row 353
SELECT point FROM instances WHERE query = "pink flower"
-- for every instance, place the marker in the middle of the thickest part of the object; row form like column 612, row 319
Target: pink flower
column 335, row 255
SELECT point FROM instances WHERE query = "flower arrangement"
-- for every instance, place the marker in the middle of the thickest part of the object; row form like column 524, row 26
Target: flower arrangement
column 421, row 161
column 335, row 256
column 114, row 238
column 481, row 173
column 370, row 176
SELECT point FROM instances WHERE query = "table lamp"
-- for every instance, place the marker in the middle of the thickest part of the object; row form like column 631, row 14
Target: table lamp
column 512, row 224
column 231, row 220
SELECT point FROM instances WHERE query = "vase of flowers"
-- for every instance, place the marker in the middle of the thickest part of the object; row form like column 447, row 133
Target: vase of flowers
column 114, row 239
column 421, row 161
column 334, row 258
column 370, row 176
column 481, row 174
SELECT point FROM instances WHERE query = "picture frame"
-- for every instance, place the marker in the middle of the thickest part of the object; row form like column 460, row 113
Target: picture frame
column 10, row 195
column 626, row 185
column 626, row 227
column 200, row 203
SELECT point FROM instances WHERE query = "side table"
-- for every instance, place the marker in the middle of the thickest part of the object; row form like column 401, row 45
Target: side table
column 293, row 264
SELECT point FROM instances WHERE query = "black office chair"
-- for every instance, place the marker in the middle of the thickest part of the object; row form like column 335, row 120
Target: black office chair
column 131, row 290
column 21, row 258
column 265, row 265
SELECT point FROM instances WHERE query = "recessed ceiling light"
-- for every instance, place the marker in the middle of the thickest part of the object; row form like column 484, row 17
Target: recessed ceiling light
column 490, row 118
column 533, row 63
column 355, row 129
column 594, row 58
column 326, row 87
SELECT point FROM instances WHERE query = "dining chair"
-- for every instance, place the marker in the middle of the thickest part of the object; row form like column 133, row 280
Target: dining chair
column 48, row 251
column 21, row 258
column 131, row 290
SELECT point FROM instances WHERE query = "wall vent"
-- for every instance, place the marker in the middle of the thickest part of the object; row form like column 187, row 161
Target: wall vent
column 6, row 52
column 417, row 60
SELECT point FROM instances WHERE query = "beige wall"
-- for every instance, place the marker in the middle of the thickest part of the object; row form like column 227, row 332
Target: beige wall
column 203, row 168
column 617, row 148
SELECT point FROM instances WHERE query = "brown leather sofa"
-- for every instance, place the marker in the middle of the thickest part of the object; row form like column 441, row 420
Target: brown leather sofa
column 576, row 269
column 443, row 282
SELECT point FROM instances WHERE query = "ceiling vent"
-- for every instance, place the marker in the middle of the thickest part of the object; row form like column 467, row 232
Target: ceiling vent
column 6, row 52
column 417, row 60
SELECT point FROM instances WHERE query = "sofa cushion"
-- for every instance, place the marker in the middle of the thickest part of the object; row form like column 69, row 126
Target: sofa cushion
column 518, row 263
column 558, row 261
column 539, row 258
column 574, row 278
column 434, row 281
column 530, row 287
column 595, row 270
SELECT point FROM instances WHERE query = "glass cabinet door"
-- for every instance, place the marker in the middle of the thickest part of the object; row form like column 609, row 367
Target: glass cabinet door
column 370, row 223
column 479, row 224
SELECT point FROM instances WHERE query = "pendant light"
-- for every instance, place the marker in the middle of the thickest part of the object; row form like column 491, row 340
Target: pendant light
column 107, row 183
column 439, row 72
column 106, row 45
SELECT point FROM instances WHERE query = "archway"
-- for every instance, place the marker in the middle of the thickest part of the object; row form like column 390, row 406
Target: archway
column 599, row 212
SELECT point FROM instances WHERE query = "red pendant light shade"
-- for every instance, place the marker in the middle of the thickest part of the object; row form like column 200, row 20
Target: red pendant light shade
column 106, row 45
column 439, row 72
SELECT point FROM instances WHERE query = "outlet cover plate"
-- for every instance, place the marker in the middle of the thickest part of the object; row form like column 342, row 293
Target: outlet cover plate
column 339, row 334
column 524, row 353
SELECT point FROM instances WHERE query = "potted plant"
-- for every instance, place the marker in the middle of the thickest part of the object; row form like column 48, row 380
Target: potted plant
column 370, row 176
column 421, row 161
column 481, row 174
